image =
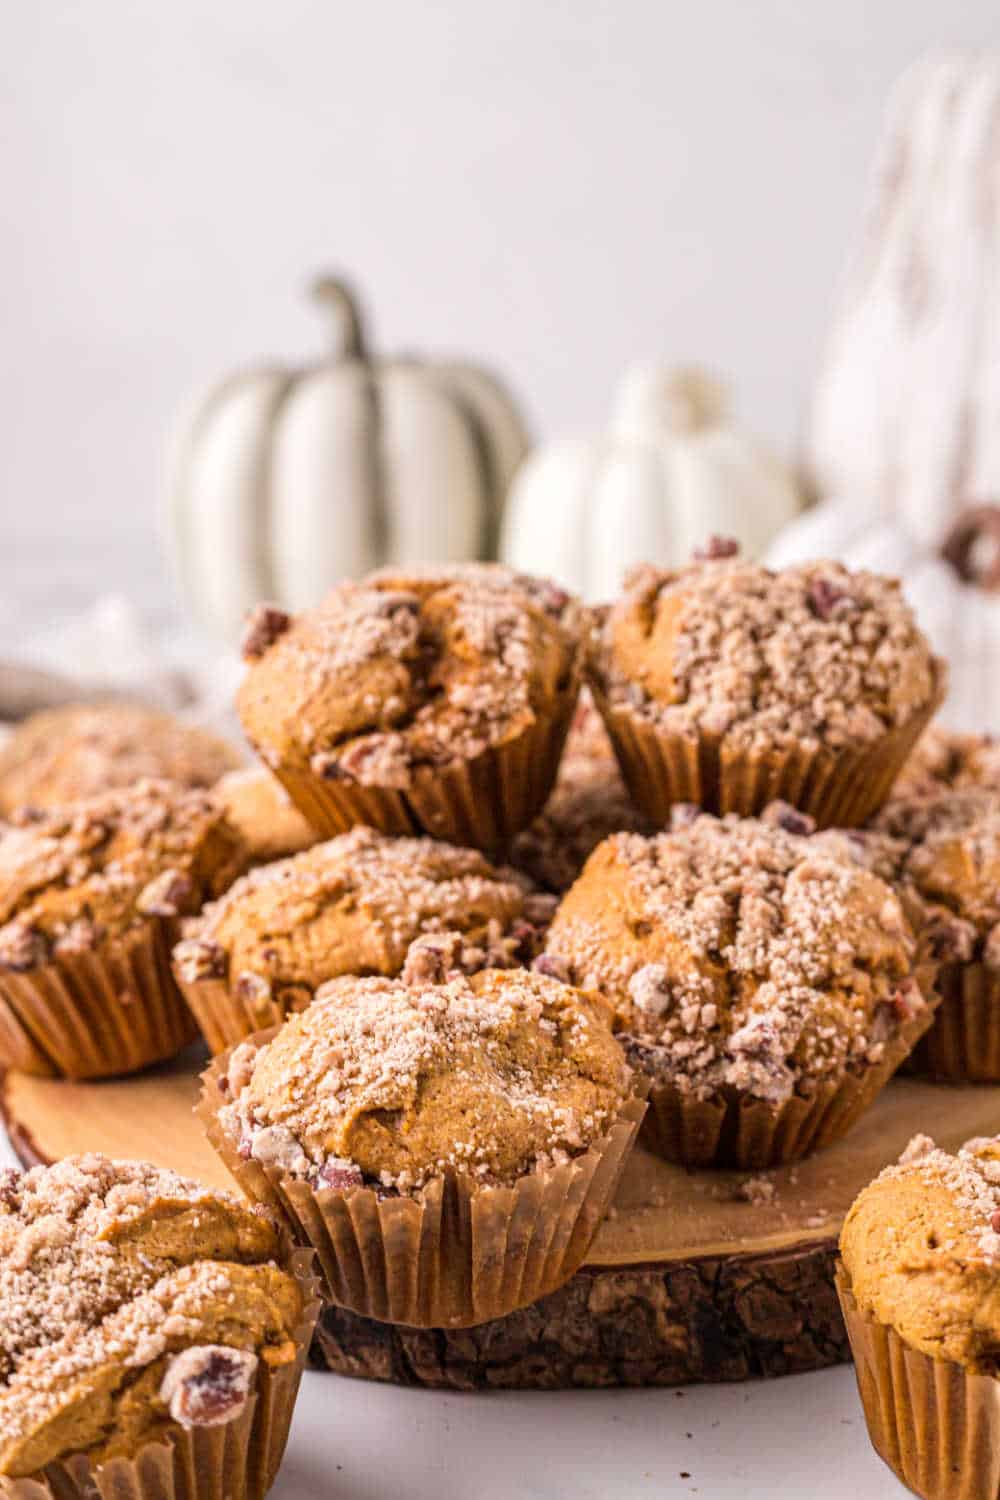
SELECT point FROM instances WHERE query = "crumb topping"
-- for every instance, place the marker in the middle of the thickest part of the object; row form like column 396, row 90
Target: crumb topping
column 922, row 1247
column 589, row 802
column 354, row 905
column 75, row 875
column 393, row 1084
column 107, row 1268
column 943, row 761
column 403, row 670
column 811, row 654
column 951, row 858
column 738, row 954
column 65, row 754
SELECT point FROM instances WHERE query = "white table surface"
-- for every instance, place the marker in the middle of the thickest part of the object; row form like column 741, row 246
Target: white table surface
column 801, row 1438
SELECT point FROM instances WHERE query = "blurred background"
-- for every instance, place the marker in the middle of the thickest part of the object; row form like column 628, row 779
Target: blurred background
column 556, row 190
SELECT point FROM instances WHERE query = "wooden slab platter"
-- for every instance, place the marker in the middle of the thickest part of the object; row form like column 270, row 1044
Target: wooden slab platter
column 695, row 1276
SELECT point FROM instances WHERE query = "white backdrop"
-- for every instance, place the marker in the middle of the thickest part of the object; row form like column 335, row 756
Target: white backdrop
column 557, row 187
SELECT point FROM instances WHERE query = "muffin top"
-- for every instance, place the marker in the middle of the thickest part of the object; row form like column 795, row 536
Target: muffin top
column 131, row 1301
column 943, row 760
column 810, row 655
column 921, row 1245
column 64, row 754
column 588, row 802
column 91, row 870
column 354, row 905
column 392, row 1084
column 264, row 815
column 739, row 953
column 403, row 670
column 950, row 855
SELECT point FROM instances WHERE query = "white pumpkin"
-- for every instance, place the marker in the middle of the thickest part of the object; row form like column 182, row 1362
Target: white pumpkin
column 954, row 590
column 287, row 480
column 671, row 471
column 903, row 416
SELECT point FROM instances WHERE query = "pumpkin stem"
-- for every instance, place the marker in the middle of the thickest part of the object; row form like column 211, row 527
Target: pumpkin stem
column 337, row 296
column 972, row 546
column 652, row 400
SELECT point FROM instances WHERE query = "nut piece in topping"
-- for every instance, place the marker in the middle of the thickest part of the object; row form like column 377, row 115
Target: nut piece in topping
column 265, row 624
column 208, row 1385
column 717, row 547
column 169, row 894
column 22, row 947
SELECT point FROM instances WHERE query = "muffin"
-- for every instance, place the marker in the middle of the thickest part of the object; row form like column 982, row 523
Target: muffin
column 448, row 1149
column 588, row 802
column 264, row 815
column 152, row 1334
column 432, row 702
column 943, row 761
column 729, row 685
column 948, row 868
column 920, row 1289
column 761, row 978
column 65, row 754
column 350, row 906
column 90, row 897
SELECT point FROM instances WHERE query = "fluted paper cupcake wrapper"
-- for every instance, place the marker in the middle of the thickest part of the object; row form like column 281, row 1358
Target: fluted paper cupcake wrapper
column 963, row 1045
column 838, row 788
column 461, row 1254
column 225, row 1018
column 936, row 1425
column 749, row 1134
column 480, row 803
column 100, row 1013
column 236, row 1461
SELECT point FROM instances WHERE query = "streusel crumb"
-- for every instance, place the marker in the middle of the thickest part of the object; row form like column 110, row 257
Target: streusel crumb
column 739, row 955
column 392, row 1084
column 812, row 654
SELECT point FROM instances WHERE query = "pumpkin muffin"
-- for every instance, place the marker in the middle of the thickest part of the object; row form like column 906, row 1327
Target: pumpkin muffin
column 264, row 815
column 65, row 754
column 943, row 760
column 588, row 802
column 761, row 977
column 148, row 1335
column 920, row 1289
column 350, row 906
column 449, row 1148
column 417, row 702
column 729, row 685
column 90, row 898
column 948, row 869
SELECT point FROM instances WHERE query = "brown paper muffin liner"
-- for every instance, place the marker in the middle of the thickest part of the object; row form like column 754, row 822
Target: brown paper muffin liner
column 749, row 1134
column 462, row 1254
column 236, row 1460
column 936, row 1425
column 99, row 1013
column 838, row 788
column 224, row 1016
column 480, row 803
column 963, row 1045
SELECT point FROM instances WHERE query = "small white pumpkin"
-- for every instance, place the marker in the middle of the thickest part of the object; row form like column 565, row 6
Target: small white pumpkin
column 671, row 471
column 954, row 590
column 287, row 480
